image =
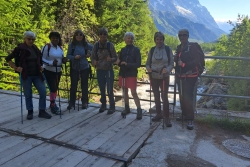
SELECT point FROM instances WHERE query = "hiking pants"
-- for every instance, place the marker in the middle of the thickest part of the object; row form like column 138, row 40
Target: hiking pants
column 74, row 78
column 187, row 96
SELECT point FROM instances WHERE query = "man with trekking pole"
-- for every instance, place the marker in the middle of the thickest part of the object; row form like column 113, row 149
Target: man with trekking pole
column 186, row 73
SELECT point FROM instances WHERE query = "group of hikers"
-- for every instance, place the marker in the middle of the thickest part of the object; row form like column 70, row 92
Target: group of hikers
column 35, row 66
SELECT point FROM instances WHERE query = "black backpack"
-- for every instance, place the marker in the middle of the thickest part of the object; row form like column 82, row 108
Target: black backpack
column 152, row 51
column 201, row 64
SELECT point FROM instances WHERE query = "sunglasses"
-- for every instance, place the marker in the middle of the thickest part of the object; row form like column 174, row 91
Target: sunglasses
column 78, row 34
column 103, row 34
column 30, row 39
column 182, row 35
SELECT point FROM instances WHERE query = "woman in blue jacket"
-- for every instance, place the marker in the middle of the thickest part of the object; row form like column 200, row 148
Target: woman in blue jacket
column 78, row 52
column 129, row 60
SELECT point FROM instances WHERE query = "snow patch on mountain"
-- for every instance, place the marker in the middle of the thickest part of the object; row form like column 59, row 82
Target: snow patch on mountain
column 184, row 11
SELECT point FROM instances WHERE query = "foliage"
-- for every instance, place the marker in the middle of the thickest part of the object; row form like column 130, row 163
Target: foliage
column 65, row 16
column 237, row 125
column 208, row 47
column 237, row 44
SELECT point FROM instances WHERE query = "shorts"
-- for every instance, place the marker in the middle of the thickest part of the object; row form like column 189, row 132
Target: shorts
column 130, row 82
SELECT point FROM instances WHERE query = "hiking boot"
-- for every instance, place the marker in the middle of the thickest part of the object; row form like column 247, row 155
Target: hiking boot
column 126, row 110
column 70, row 106
column 190, row 125
column 44, row 114
column 103, row 108
column 139, row 114
column 54, row 109
column 111, row 109
column 168, row 122
column 157, row 118
column 84, row 105
column 30, row 115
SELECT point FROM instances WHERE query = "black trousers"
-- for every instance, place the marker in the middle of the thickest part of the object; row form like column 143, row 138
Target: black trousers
column 81, row 76
column 186, row 88
column 53, row 79
column 162, row 84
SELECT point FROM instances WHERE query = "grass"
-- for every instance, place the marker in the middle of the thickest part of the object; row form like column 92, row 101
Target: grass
column 238, row 124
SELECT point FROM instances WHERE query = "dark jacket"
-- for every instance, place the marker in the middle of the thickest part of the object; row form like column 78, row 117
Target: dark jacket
column 132, row 56
column 189, row 55
column 20, row 53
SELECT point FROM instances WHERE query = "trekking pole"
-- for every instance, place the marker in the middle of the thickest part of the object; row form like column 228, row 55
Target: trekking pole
column 163, row 89
column 57, row 85
column 174, row 103
column 181, row 94
column 163, row 95
column 91, row 84
column 123, row 93
column 67, row 80
column 21, row 93
column 150, row 88
column 79, row 80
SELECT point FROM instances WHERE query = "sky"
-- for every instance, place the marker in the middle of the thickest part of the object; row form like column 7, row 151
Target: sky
column 224, row 10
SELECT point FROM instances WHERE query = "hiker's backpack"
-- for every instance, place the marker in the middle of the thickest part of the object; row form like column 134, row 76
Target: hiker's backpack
column 97, row 48
column 201, row 64
column 152, row 51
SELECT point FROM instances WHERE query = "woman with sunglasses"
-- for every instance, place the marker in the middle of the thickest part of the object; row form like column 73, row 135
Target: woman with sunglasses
column 52, row 56
column 103, row 56
column 159, row 65
column 78, row 52
column 28, row 62
column 129, row 61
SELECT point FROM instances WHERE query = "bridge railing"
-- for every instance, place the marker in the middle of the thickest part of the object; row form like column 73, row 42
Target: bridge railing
column 4, row 67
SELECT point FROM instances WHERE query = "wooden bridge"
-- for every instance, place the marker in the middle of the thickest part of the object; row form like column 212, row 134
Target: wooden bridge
column 78, row 138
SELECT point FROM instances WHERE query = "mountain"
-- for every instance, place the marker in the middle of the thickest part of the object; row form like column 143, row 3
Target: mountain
column 225, row 26
column 172, row 15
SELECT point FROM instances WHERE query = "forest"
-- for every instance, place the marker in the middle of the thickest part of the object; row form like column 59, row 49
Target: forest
column 118, row 16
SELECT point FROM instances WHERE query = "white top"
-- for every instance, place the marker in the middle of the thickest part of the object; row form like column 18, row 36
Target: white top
column 48, row 58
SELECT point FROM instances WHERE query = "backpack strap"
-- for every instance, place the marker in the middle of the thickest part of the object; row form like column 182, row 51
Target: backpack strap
column 97, row 48
column 168, row 53
column 49, row 46
column 151, row 55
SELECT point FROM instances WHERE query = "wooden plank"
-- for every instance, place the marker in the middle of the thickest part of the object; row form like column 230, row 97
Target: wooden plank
column 18, row 149
column 133, row 150
column 88, row 129
column 16, row 124
column 72, row 159
column 32, row 156
column 6, row 97
column 107, row 134
column 73, row 120
column 98, row 161
column 3, row 135
column 51, row 154
column 9, row 142
column 125, row 138
column 55, row 158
